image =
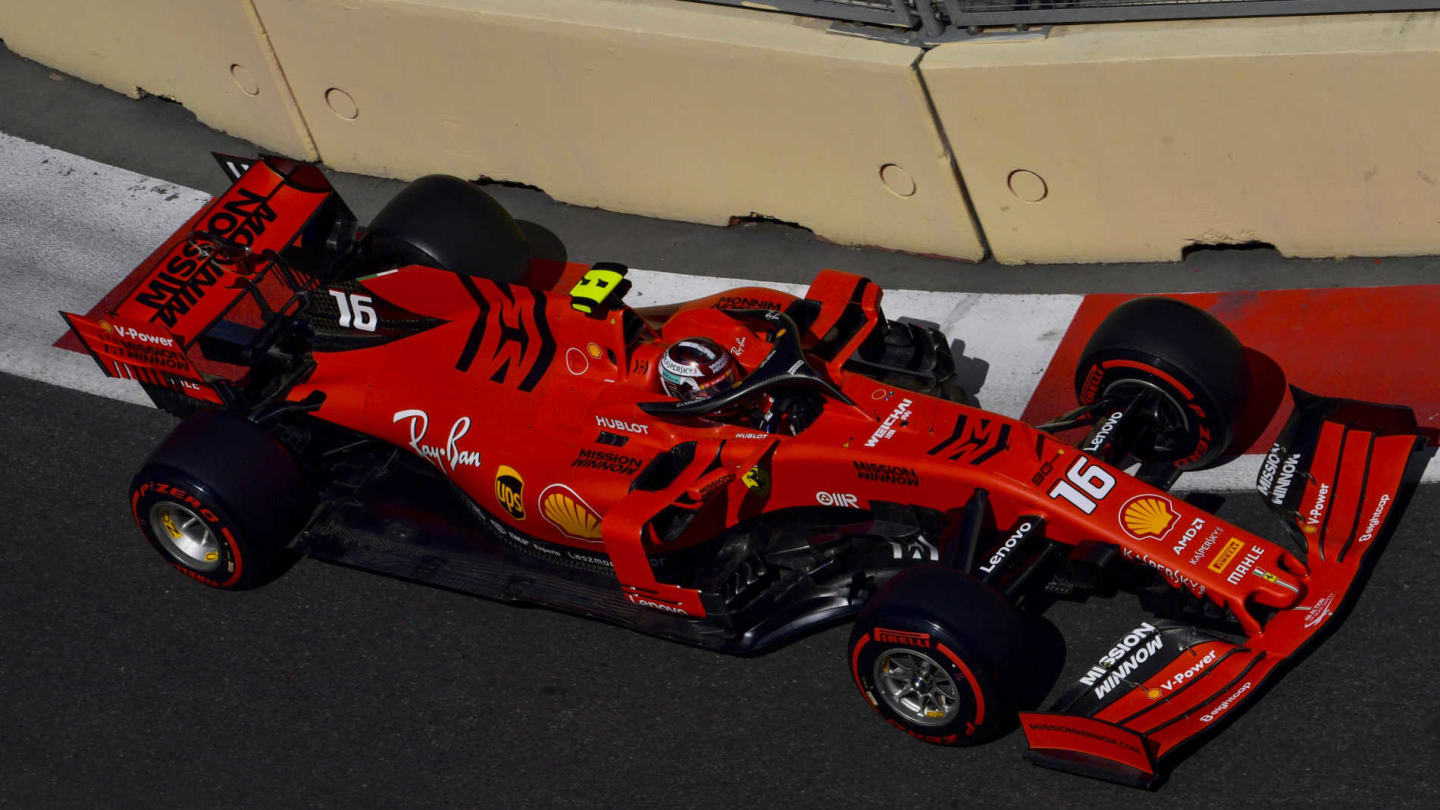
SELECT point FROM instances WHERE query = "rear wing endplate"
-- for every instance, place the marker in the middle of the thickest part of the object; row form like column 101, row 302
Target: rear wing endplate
column 134, row 350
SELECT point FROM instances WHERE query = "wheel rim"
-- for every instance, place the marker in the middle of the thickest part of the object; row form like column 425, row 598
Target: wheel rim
column 917, row 688
column 1173, row 421
column 185, row 536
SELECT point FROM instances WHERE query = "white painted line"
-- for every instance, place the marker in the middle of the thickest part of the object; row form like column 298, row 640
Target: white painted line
column 1012, row 336
column 72, row 228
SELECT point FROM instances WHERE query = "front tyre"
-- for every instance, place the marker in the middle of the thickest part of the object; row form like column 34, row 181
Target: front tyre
column 219, row 500
column 937, row 653
column 1186, row 361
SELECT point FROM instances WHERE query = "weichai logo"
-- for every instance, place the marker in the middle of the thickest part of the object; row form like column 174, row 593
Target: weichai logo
column 1147, row 517
column 510, row 491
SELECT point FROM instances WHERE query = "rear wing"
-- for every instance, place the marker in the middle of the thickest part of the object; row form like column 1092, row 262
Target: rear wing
column 235, row 260
column 1337, row 478
column 138, row 351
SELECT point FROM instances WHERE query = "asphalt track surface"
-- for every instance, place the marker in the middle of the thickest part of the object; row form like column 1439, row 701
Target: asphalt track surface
column 123, row 684
column 127, row 685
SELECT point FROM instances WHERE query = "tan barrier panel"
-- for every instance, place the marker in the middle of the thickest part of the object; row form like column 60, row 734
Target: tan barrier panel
column 210, row 55
column 653, row 107
column 1320, row 135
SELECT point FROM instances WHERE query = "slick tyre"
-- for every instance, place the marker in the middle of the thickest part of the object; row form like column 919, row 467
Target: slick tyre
column 219, row 500
column 449, row 223
column 1196, row 364
column 938, row 654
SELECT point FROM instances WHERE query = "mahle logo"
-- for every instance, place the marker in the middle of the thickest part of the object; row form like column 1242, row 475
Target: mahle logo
column 510, row 491
column 1147, row 516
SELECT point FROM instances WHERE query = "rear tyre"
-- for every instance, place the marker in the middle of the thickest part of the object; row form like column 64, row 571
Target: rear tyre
column 219, row 500
column 445, row 222
column 939, row 655
column 1196, row 365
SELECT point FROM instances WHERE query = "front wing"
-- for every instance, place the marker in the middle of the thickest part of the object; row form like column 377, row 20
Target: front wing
column 1337, row 478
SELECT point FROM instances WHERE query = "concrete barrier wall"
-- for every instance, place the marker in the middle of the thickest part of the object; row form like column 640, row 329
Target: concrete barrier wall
column 667, row 109
column 1319, row 135
column 1120, row 142
column 210, row 55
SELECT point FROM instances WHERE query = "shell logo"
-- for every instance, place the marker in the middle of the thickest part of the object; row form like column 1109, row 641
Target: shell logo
column 569, row 513
column 1147, row 516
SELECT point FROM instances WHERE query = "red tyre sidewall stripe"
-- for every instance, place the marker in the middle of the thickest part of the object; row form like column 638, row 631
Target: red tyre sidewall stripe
column 234, row 555
column 855, row 664
column 974, row 684
column 198, row 577
column 1149, row 369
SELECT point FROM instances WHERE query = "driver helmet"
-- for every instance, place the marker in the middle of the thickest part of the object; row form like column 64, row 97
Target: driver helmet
column 698, row 368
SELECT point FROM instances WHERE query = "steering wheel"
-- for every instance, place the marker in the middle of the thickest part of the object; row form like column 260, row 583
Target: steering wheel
column 785, row 366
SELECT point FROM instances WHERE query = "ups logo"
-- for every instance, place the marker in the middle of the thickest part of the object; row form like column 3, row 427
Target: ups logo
column 510, row 343
column 974, row 439
column 510, row 491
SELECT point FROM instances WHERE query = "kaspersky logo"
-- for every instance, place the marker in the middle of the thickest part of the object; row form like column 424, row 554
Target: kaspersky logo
column 1146, row 517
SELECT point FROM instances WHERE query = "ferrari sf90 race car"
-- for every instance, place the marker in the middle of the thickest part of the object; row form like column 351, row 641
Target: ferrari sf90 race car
column 422, row 399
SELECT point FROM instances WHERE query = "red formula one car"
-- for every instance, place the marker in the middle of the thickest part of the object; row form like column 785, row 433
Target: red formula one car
column 399, row 399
